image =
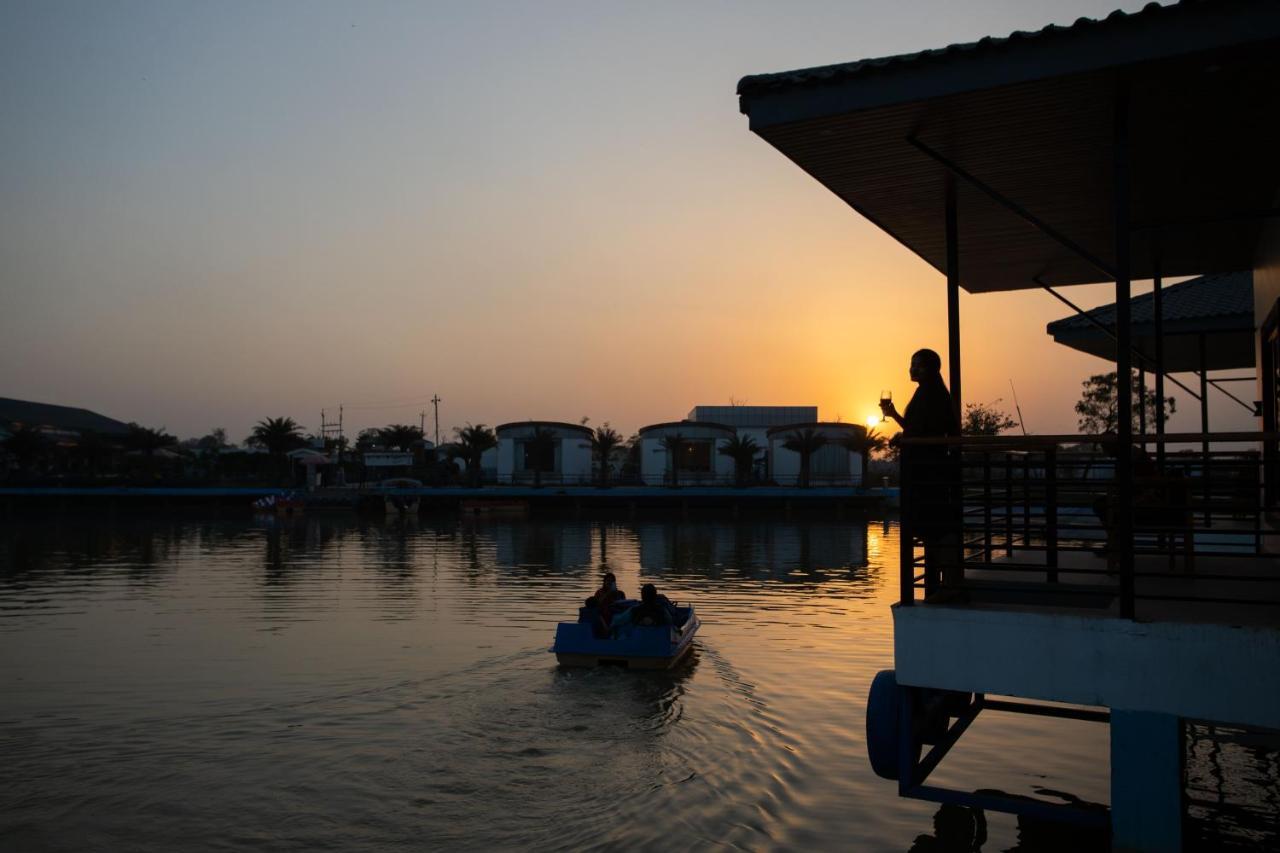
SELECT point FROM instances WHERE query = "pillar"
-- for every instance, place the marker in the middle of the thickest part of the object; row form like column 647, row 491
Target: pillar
column 1146, row 781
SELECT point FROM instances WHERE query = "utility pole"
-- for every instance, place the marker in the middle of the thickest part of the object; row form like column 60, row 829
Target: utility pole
column 435, row 401
column 422, row 422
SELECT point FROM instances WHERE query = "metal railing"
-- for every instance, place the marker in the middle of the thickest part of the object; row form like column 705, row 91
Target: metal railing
column 1037, row 519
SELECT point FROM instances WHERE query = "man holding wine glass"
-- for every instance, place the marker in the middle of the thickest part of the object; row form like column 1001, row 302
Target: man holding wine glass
column 931, row 508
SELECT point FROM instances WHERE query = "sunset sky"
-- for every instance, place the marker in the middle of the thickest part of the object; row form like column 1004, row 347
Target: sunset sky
column 211, row 213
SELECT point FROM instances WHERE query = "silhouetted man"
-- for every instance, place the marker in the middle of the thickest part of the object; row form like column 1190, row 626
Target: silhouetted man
column 931, row 508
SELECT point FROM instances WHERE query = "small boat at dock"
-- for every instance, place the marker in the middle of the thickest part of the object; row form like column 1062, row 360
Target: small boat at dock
column 627, row 644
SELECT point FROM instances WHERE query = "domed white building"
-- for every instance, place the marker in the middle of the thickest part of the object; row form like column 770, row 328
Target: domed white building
column 567, row 458
column 832, row 464
column 698, row 460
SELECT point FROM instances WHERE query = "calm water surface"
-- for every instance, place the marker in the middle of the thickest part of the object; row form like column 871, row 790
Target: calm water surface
column 332, row 683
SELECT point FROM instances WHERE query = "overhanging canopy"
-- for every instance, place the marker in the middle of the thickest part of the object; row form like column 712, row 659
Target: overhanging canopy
column 1032, row 118
column 1217, row 307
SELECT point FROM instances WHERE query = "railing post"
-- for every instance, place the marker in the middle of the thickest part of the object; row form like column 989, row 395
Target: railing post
column 906, row 541
column 1026, row 500
column 1051, row 512
column 986, row 506
column 1008, row 505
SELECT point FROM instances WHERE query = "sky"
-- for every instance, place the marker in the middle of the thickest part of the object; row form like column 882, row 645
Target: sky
column 214, row 213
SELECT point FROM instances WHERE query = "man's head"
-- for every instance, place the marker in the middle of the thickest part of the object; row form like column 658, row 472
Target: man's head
column 648, row 593
column 609, row 581
column 925, row 364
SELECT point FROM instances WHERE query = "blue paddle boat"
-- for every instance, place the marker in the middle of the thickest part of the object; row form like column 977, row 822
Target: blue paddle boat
column 626, row 644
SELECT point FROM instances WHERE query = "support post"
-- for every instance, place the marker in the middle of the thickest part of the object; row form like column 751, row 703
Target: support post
column 1142, row 402
column 1204, row 427
column 1146, row 781
column 953, row 299
column 1124, row 361
column 1158, row 307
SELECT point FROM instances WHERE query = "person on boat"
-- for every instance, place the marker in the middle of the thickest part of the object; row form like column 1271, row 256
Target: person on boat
column 654, row 608
column 603, row 602
column 930, row 509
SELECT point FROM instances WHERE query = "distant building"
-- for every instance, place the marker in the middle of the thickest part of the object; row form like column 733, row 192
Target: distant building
column 566, row 460
column 833, row 464
column 755, row 422
column 60, row 423
column 699, row 459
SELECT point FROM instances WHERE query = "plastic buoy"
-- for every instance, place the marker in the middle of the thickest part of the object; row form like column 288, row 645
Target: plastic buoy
column 884, row 720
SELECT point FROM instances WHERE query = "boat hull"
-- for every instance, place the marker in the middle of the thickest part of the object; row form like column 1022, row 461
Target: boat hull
column 632, row 647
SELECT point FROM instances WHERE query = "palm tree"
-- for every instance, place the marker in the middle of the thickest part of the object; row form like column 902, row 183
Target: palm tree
column 604, row 441
column 742, row 449
column 470, row 446
column 277, row 436
column 148, row 440
column 27, row 445
column 540, row 450
column 401, row 436
column 673, row 443
column 806, row 442
column 864, row 443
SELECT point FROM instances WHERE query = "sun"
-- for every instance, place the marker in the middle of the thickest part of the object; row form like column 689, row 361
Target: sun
column 874, row 420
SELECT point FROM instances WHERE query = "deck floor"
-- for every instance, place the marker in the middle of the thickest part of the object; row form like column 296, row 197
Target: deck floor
column 1089, row 588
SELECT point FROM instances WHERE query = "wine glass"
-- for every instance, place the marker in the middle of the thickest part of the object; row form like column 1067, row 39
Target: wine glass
column 886, row 397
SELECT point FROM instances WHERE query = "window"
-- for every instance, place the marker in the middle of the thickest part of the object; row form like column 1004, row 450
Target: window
column 533, row 460
column 695, row 456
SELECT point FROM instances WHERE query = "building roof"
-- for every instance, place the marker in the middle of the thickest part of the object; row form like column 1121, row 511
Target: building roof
column 1024, row 128
column 821, row 427
column 687, row 425
column 557, row 425
column 1219, row 307
column 756, row 84
column 34, row 414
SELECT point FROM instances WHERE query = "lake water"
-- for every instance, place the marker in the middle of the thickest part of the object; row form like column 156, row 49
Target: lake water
column 331, row 683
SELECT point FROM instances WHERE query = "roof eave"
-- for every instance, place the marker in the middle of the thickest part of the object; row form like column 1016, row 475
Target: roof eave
column 1160, row 33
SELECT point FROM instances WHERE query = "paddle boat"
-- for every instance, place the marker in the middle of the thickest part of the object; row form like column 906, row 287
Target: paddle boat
column 627, row 644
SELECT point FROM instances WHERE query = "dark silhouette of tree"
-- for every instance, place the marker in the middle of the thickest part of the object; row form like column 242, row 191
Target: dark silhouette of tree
column 471, row 442
column 1097, row 406
column 864, row 443
column 94, row 448
column 27, row 446
column 148, row 440
column 399, row 436
column 605, row 440
column 673, row 443
column 369, row 439
column 985, row 419
column 540, row 452
column 805, row 442
column 277, row 436
column 743, row 450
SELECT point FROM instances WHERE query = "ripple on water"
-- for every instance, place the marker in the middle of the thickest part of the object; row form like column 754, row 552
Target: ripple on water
column 334, row 683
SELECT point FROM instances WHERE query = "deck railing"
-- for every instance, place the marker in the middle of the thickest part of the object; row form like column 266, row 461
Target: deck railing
column 1036, row 519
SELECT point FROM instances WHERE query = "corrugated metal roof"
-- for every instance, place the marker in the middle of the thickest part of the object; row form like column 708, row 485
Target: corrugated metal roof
column 1209, row 297
column 62, row 417
column 757, row 83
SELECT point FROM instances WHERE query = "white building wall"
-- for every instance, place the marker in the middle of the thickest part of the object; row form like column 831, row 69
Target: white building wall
column 506, row 462
column 575, row 459
column 784, row 465
column 653, row 462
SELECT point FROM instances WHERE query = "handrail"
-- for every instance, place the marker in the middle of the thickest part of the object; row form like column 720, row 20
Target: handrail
column 1043, row 440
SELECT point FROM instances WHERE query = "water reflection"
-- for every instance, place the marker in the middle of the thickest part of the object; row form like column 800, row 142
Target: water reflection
column 387, row 681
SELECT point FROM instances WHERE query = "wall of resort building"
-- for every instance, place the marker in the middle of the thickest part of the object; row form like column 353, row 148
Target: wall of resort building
column 700, row 459
column 833, row 464
column 568, row 459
